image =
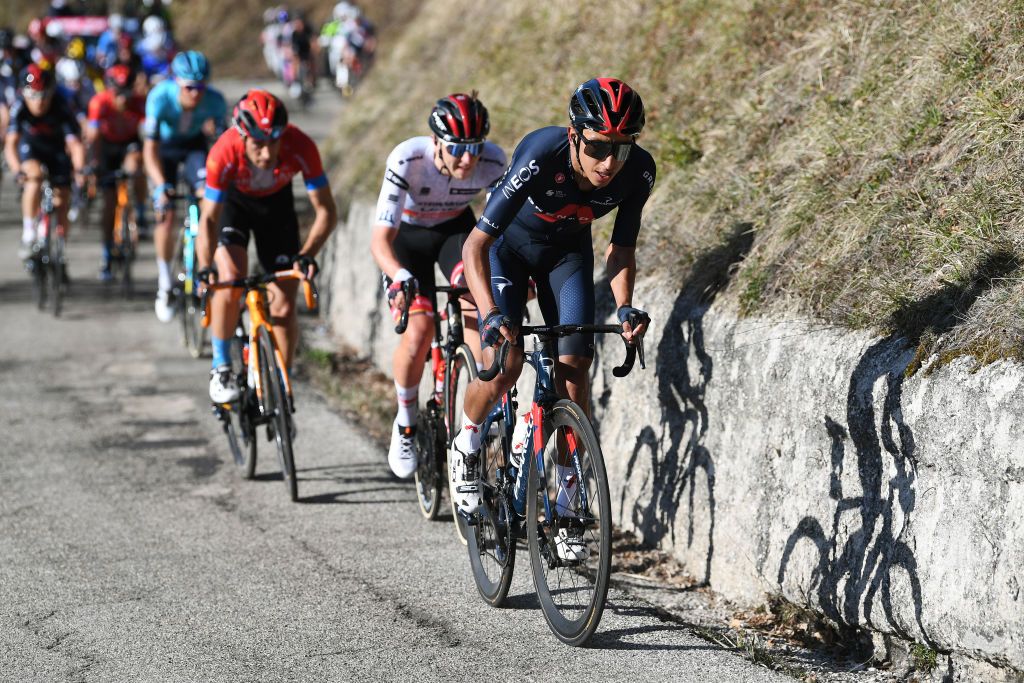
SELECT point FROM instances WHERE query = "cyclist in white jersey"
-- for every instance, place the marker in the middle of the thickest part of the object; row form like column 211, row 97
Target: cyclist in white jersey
column 423, row 217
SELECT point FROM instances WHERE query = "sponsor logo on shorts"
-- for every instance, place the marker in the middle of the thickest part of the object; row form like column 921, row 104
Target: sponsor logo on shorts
column 500, row 283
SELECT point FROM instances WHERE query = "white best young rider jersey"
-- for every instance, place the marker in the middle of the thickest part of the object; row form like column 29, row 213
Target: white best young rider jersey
column 415, row 192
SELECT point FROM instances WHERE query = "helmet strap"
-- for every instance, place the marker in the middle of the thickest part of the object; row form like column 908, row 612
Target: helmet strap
column 445, row 170
column 579, row 174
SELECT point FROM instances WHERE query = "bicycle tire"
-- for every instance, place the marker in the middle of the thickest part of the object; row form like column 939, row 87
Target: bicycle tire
column 491, row 541
column 127, row 248
column 57, row 275
column 192, row 326
column 461, row 368
column 561, row 583
column 431, row 444
column 239, row 427
column 275, row 406
column 40, row 266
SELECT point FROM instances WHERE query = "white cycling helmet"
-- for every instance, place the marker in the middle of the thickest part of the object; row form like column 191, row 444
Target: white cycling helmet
column 55, row 29
column 115, row 22
column 152, row 24
column 70, row 71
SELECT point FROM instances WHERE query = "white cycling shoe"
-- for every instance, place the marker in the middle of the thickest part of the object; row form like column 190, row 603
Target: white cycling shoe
column 464, row 480
column 223, row 387
column 570, row 546
column 164, row 308
column 402, row 453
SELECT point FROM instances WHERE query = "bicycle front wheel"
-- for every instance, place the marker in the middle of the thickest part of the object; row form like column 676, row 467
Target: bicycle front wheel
column 57, row 275
column 430, row 459
column 492, row 540
column 276, row 409
column 461, row 371
column 569, row 525
column 128, row 239
column 192, row 325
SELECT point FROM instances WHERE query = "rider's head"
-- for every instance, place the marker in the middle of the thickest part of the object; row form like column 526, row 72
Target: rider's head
column 460, row 125
column 606, row 116
column 191, row 71
column 261, row 119
column 120, row 80
column 37, row 87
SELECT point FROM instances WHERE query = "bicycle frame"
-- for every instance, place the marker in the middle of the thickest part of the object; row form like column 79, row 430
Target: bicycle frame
column 256, row 302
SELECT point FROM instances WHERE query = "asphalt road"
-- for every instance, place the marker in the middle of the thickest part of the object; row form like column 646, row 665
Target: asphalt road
column 130, row 549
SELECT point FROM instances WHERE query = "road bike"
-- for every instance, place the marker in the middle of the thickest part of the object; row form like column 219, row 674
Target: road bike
column 48, row 262
column 186, row 285
column 266, row 390
column 453, row 367
column 554, row 493
column 125, row 235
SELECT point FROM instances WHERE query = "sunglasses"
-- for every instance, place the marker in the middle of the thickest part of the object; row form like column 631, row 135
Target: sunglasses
column 600, row 149
column 261, row 136
column 458, row 149
column 197, row 86
column 34, row 94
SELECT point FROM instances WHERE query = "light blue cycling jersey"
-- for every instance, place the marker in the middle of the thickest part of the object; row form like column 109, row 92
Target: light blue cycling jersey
column 166, row 122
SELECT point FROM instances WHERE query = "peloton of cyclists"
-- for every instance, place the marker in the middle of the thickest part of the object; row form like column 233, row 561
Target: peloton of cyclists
column 182, row 113
column 538, row 222
column 113, row 142
column 42, row 132
column 423, row 217
column 249, row 191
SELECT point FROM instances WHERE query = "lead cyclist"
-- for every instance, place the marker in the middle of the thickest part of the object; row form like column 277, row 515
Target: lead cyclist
column 538, row 223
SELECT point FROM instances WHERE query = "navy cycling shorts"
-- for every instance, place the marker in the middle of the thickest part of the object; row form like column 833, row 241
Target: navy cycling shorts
column 56, row 161
column 564, row 273
column 191, row 154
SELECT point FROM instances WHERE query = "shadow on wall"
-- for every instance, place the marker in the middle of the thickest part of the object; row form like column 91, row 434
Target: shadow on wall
column 671, row 456
column 849, row 579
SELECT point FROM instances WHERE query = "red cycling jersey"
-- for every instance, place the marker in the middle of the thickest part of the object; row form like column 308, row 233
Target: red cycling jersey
column 226, row 165
column 116, row 126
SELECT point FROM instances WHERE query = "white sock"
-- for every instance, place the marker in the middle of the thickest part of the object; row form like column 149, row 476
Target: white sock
column 408, row 404
column 28, row 230
column 468, row 438
column 164, row 276
column 566, row 503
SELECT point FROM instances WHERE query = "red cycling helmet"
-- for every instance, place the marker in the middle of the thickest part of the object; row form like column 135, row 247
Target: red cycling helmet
column 606, row 106
column 119, row 77
column 260, row 115
column 460, row 118
column 37, row 79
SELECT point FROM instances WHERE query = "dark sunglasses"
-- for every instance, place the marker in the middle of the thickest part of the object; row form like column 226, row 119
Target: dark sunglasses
column 600, row 150
column 194, row 87
column 458, row 149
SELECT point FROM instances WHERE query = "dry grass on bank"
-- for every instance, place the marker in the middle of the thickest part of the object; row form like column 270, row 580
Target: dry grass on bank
column 874, row 146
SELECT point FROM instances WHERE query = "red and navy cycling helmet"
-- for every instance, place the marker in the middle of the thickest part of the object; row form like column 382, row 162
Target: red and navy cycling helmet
column 260, row 116
column 607, row 106
column 460, row 118
column 119, row 77
column 37, row 79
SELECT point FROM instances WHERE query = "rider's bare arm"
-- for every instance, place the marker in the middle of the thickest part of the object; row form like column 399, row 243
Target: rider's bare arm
column 206, row 241
column 477, row 271
column 11, row 152
column 620, row 264
column 383, row 252
column 77, row 151
column 324, row 222
column 151, row 160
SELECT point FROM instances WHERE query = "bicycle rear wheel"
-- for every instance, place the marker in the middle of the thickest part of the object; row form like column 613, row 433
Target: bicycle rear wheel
column 492, row 543
column 40, row 270
column 430, row 451
column 192, row 326
column 128, row 239
column 275, row 407
column 571, row 577
column 461, row 371
column 237, row 418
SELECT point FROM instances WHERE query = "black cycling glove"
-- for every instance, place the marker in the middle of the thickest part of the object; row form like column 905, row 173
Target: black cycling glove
column 490, row 333
column 207, row 275
column 633, row 315
column 304, row 263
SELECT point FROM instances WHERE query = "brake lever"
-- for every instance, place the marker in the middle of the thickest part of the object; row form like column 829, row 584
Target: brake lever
column 403, row 322
column 498, row 366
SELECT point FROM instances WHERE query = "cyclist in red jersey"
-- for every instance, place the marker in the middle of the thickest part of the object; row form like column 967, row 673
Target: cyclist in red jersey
column 112, row 136
column 249, row 175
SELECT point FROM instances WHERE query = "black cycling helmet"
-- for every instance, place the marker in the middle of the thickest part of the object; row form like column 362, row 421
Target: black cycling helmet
column 460, row 118
column 606, row 106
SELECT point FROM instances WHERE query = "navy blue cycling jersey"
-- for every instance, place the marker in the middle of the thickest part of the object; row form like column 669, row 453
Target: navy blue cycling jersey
column 539, row 192
column 47, row 131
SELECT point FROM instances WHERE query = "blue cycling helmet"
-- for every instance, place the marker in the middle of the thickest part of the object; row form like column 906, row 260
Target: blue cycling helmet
column 190, row 66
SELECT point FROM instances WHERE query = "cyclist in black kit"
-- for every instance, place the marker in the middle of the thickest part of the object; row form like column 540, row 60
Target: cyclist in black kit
column 538, row 223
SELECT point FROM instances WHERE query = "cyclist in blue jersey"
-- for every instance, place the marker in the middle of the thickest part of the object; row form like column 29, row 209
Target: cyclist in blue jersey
column 538, row 223
column 182, row 115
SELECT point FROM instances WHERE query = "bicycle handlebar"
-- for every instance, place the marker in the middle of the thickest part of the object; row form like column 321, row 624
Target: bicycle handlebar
column 309, row 289
column 633, row 351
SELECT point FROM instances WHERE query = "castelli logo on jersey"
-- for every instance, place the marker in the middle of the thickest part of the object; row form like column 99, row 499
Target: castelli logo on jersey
column 559, row 177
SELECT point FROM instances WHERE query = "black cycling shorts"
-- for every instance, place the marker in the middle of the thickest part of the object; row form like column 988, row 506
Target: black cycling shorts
column 112, row 156
column 271, row 219
column 56, row 161
column 564, row 273
column 418, row 249
column 188, row 153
